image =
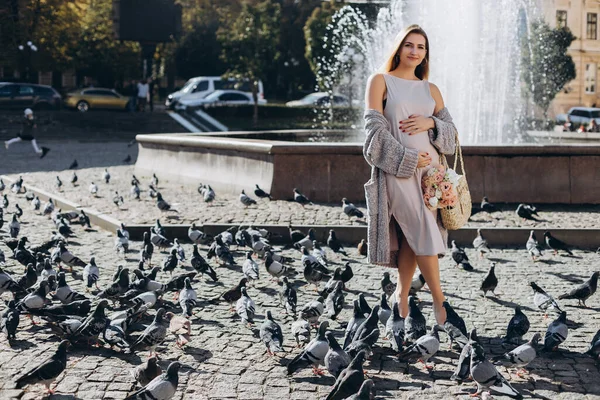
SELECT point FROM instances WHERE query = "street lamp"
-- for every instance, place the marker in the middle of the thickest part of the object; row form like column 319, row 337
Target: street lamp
column 27, row 64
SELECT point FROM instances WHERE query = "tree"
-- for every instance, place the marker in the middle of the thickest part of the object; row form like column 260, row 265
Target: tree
column 546, row 65
column 249, row 43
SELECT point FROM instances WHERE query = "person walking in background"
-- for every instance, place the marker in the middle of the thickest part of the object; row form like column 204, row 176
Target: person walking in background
column 142, row 94
column 151, row 85
column 132, row 90
column 26, row 134
column 593, row 126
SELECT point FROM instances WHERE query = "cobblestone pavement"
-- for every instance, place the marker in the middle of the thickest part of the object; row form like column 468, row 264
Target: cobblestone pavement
column 228, row 209
column 231, row 361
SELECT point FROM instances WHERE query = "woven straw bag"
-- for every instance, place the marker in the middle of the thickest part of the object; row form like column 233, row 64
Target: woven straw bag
column 456, row 217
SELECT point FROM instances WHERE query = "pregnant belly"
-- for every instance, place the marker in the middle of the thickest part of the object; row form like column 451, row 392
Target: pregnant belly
column 420, row 141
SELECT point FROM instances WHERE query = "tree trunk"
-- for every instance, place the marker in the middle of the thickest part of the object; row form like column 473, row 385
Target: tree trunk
column 255, row 98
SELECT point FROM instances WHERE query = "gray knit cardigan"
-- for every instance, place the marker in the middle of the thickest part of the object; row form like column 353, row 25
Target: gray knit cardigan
column 386, row 155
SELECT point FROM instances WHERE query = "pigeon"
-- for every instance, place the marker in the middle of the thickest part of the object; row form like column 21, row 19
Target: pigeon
column 74, row 179
column 346, row 274
column 163, row 387
column 135, row 191
column 246, row 200
column 334, row 244
column 180, row 252
column 232, row 295
column 487, row 376
column 334, row 303
column 306, row 241
column 196, row 235
column 187, row 298
column 336, row 359
column 424, row 347
column 416, row 285
column 147, row 249
column 365, row 391
column 271, row 335
column 349, row 380
column 117, row 199
column 533, row 247
column 154, row 334
column 288, row 298
column 147, row 371
column 36, row 203
column 385, row 312
column 14, row 227
column 154, row 180
column 5, row 202
column 387, row 285
column 209, row 194
column 34, row 300
column 517, row 327
column 394, row 329
column 364, row 306
column 159, row 240
column 366, row 343
column 170, row 262
column 93, row 189
column 521, row 356
column 250, row 268
column 64, row 293
column 114, row 334
column 261, row 193
column 362, row 247
column 9, row 321
column 106, row 176
column 490, row 282
column 463, row 367
column 527, row 211
column 245, row 307
column 200, row 265
column 301, row 331
column 91, row 273
column 582, row 292
column 556, row 244
column 460, row 257
column 300, row 198
column 556, row 333
column 119, row 286
column 313, row 274
column 357, row 319
column 368, row 326
column 47, row 371
column 487, row 206
column 94, row 324
column 313, row 310
column 594, row 347
column 297, row 235
column 313, row 354
column 543, row 300
column 455, row 326
column 480, row 244
column 121, row 243
column 414, row 324
column 350, row 209
column 162, row 205
column 19, row 212
column 62, row 255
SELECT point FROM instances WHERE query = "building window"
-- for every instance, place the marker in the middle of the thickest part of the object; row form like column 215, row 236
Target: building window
column 590, row 78
column 592, row 26
column 561, row 19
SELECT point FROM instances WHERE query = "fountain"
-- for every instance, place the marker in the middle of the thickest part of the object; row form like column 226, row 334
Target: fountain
column 475, row 63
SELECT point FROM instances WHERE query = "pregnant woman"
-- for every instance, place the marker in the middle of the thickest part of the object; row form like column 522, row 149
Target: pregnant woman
column 406, row 125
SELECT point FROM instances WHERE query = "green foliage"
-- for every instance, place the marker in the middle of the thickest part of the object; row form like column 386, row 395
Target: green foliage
column 249, row 42
column 546, row 65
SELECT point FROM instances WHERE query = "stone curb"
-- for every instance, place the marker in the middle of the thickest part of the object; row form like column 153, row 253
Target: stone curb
column 585, row 238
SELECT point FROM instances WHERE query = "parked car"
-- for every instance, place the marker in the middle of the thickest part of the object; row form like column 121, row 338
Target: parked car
column 320, row 99
column 201, row 86
column 28, row 95
column 96, row 98
column 219, row 98
column 580, row 115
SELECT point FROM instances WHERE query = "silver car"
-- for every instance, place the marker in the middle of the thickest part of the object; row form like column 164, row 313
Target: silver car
column 580, row 115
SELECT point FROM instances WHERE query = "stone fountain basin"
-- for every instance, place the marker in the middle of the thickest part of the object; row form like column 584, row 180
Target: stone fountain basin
column 279, row 161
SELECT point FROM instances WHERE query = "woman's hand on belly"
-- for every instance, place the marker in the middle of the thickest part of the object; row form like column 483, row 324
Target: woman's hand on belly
column 416, row 123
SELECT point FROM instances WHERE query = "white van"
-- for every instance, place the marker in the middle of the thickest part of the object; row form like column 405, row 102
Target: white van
column 201, row 86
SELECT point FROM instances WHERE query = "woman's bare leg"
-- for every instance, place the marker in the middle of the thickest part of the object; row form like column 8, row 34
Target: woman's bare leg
column 407, row 264
column 430, row 268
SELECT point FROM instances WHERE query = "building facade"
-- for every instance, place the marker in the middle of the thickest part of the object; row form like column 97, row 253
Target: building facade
column 581, row 17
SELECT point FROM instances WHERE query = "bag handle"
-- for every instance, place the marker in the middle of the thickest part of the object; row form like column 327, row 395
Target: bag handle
column 457, row 156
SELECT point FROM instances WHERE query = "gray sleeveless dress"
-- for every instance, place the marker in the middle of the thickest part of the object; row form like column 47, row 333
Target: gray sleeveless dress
column 405, row 197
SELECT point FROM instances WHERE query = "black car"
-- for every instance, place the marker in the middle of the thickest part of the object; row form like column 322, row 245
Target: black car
column 29, row 95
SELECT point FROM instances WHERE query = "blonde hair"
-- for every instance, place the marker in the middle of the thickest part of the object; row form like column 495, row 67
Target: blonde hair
column 422, row 70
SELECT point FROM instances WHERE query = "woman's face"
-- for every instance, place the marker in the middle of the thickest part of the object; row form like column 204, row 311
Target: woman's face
column 412, row 51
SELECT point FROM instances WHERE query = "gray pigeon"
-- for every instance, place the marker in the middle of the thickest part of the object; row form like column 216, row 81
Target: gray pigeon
column 460, row 257
column 522, row 355
column 556, row 333
column 288, row 297
column 350, row 209
column 245, row 307
column 394, row 329
column 364, row 393
column 533, row 246
column 154, row 334
column 387, row 285
column 334, row 303
column 147, row 371
column 163, row 387
column 47, row 371
column 463, row 368
column 414, row 324
column 271, row 335
column 94, row 324
column 487, row 376
column 490, row 282
column 517, row 327
column 365, row 344
column 385, row 312
column 313, row 310
column 350, row 379
column 594, row 347
column 246, row 200
column 582, row 292
column 543, row 300
column 416, row 285
column 10, row 321
column 480, row 244
column 357, row 319
column 301, row 331
column 424, row 348
column 313, row 354
column 336, row 359
column 187, row 298
column 368, row 326
column 455, row 326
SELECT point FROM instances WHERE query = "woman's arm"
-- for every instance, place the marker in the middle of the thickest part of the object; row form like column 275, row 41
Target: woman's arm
column 443, row 135
column 381, row 149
